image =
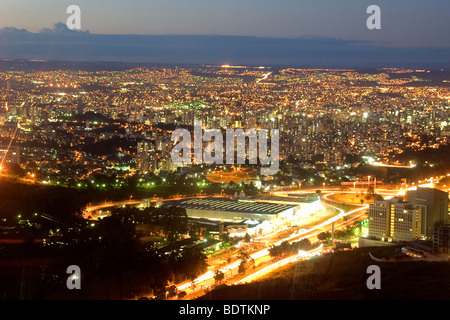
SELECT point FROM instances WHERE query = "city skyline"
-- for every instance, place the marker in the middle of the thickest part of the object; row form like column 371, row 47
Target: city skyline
column 224, row 150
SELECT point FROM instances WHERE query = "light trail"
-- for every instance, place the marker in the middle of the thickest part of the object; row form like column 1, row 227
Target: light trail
column 278, row 264
column 88, row 210
column 12, row 138
column 271, row 234
column 9, row 146
column 210, row 274
column 301, row 254
column 264, row 78
column 379, row 164
column 267, row 269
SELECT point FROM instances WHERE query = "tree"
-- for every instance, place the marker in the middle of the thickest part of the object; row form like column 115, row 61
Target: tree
column 192, row 278
column 243, row 255
column 192, row 261
column 194, row 230
column 274, row 251
column 284, row 246
column 225, row 237
column 172, row 291
column 341, row 234
column 159, row 293
column 304, row 244
column 174, row 222
column 324, row 236
column 219, row 276
column 245, row 258
column 370, row 190
column 252, row 262
column 242, row 268
column 206, row 234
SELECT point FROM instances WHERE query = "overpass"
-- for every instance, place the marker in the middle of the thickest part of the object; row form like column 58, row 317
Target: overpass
column 89, row 211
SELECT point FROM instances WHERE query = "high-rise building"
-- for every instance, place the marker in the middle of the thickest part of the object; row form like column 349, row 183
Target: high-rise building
column 399, row 220
column 394, row 220
column 10, row 155
column 80, row 107
column 441, row 238
column 434, row 205
column 146, row 161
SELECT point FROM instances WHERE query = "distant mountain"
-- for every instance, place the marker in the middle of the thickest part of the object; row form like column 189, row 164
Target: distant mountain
column 62, row 44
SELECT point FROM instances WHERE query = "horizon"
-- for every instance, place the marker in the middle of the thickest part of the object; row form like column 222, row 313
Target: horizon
column 409, row 34
column 62, row 44
column 403, row 23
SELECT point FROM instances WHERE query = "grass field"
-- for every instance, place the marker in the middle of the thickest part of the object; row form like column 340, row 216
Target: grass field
column 236, row 176
column 352, row 198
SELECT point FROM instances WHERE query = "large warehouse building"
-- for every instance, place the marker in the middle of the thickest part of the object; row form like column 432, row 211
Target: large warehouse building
column 235, row 210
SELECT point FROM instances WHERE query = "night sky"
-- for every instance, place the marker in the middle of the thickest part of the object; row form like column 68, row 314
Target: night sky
column 404, row 22
column 329, row 33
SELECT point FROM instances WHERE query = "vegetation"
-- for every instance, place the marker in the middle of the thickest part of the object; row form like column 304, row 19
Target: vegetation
column 286, row 248
column 246, row 262
column 114, row 263
column 324, row 236
column 219, row 276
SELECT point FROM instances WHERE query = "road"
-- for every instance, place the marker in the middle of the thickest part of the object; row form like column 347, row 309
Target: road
column 263, row 260
column 88, row 211
column 264, row 264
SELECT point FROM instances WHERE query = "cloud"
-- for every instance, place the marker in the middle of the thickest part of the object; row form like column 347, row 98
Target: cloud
column 60, row 43
column 61, row 28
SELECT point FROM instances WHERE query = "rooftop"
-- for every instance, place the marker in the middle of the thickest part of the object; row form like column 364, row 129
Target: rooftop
column 308, row 198
column 227, row 205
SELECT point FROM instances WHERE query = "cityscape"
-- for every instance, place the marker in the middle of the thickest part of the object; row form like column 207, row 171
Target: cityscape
column 94, row 205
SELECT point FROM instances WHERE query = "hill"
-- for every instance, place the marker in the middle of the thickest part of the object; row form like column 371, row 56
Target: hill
column 342, row 276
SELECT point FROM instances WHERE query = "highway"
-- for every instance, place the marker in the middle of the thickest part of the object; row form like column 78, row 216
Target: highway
column 301, row 255
column 264, row 263
column 262, row 257
column 88, row 211
column 264, row 260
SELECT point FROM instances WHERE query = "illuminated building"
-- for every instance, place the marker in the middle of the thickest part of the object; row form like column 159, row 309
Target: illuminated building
column 395, row 220
column 11, row 155
column 80, row 107
column 441, row 238
column 235, row 210
column 146, row 158
column 434, row 205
